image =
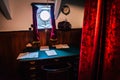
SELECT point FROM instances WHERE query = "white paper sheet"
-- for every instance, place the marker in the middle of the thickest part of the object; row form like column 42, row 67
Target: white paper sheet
column 51, row 52
column 59, row 46
column 28, row 55
column 43, row 48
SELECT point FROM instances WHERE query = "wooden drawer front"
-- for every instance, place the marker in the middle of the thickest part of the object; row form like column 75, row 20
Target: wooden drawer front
column 32, row 75
column 29, row 66
column 31, row 62
column 33, row 70
column 30, row 70
column 36, row 78
column 51, row 61
column 28, row 63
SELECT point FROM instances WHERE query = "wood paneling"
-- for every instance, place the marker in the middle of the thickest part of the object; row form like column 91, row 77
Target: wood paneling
column 12, row 43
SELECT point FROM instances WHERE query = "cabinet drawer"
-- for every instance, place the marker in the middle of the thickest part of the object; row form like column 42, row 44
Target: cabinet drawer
column 32, row 70
column 31, row 75
column 28, row 63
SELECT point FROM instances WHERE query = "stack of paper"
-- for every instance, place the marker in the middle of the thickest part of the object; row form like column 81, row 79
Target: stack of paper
column 43, row 48
column 59, row 46
column 51, row 52
column 28, row 55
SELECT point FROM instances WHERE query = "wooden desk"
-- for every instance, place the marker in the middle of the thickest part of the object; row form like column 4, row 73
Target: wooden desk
column 31, row 69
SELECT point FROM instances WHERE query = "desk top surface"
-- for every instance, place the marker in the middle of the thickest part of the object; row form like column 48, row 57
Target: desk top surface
column 67, row 52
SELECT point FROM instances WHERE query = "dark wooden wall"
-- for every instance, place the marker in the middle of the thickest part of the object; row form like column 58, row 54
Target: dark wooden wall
column 12, row 43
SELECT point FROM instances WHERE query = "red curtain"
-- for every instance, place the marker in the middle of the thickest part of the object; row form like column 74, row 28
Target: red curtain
column 53, row 35
column 100, row 45
column 111, row 67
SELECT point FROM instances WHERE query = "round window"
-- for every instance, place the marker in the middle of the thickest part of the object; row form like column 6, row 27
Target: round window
column 44, row 15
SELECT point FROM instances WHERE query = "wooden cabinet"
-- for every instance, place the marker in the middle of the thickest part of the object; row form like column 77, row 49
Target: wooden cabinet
column 45, row 69
column 29, row 70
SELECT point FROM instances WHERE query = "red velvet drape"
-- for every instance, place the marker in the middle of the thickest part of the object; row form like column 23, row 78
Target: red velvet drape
column 111, row 67
column 100, row 45
column 87, row 45
column 53, row 36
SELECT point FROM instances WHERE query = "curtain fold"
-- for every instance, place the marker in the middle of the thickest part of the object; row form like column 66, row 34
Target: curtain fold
column 57, row 10
column 58, row 6
column 100, row 45
column 111, row 66
column 87, row 45
column 36, row 36
column 53, row 36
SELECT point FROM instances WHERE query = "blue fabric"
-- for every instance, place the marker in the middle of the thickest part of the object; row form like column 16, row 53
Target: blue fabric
column 35, row 30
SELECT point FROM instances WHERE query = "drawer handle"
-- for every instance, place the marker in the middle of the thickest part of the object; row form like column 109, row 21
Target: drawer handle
column 56, row 59
column 32, row 68
column 32, row 62
column 33, row 75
